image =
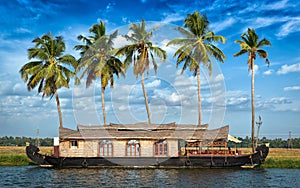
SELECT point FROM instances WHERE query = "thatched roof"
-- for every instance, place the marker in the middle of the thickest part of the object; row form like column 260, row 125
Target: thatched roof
column 145, row 131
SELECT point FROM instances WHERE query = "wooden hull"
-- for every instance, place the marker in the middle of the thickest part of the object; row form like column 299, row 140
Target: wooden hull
column 203, row 161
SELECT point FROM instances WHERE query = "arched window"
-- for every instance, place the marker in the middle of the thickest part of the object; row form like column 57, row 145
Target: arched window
column 105, row 148
column 133, row 148
column 161, row 148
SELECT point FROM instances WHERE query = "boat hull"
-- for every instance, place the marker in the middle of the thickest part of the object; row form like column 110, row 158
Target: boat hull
column 203, row 161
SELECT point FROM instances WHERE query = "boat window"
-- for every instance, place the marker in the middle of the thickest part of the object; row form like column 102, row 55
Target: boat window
column 105, row 148
column 133, row 148
column 161, row 148
column 74, row 143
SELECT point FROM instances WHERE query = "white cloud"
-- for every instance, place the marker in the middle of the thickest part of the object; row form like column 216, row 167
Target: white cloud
column 172, row 18
column 292, row 88
column 219, row 77
column 120, row 41
column 154, row 83
column 269, row 72
column 22, row 30
column 219, row 26
column 266, row 21
column 236, row 97
column 288, row 24
column 263, row 6
column 280, row 100
column 123, row 108
column 293, row 25
column 174, row 97
column 276, row 6
column 256, row 70
column 285, row 69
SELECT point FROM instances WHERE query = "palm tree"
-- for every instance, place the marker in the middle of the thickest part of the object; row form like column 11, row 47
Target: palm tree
column 198, row 47
column 50, row 70
column 97, row 60
column 139, row 51
column 251, row 44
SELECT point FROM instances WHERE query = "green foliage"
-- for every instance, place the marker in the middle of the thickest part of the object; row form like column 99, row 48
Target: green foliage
column 274, row 143
column 198, row 46
column 251, row 44
column 14, row 160
column 141, row 51
column 281, row 163
column 21, row 141
column 50, row 68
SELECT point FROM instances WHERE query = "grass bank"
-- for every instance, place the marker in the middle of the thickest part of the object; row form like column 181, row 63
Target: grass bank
column 283, row 158
column 280, row 158
column 16, row 156
column 277, row 158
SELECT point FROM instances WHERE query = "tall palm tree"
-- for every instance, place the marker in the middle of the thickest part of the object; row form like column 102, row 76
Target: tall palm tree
column 50, row 70
column 139, row 51
column 251, row 44
column 97, row 60
column 198, row 47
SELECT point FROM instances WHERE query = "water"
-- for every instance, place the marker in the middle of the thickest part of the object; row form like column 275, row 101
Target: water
column 31, row 176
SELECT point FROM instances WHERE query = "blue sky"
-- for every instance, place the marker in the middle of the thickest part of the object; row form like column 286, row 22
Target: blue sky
column 172, row 96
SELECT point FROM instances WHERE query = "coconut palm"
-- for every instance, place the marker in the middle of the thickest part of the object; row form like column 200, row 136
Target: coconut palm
column 97, row 60
column 141, row 51
column 251, row 44
column 51, row 70
column 197, row 48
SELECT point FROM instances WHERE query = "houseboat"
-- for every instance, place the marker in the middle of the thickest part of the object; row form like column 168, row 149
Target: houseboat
column 144, row 145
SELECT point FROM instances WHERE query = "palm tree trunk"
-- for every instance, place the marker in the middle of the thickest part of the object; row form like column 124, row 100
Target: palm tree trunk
column 103, row 105
column 252, row 104
column 59, row 110
column 146, row 100
column 199, row 98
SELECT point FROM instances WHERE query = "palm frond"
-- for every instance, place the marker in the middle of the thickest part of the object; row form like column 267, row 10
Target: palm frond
column 263, row 42
column 185, row 32
column 240, row 53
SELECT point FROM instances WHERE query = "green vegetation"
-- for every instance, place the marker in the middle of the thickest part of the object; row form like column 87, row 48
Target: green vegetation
column 274, row 143
column 282, row 158
column 281, row 163
column 16, row 156
column 21, row 141
column 14, row 160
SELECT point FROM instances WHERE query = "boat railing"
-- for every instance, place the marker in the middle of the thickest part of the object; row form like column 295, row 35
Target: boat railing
column 197, row 151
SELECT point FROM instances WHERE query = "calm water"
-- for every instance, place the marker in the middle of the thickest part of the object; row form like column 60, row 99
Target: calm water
column 39, row 177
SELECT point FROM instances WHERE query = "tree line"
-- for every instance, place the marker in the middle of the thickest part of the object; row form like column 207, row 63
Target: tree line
column 21, row 141
column 51, row 69
column 274, row 143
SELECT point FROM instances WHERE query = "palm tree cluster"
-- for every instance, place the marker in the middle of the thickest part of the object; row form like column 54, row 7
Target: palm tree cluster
column 52, row 70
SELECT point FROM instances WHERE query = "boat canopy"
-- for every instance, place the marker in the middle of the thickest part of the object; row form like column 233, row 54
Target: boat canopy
column 145, row 131
column 233, row 139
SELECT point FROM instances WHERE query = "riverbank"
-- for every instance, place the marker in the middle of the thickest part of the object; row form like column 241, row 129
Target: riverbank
column 277, row 158
column 16, row 155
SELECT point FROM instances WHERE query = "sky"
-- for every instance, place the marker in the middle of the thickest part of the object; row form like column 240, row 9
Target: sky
column 172, row 95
